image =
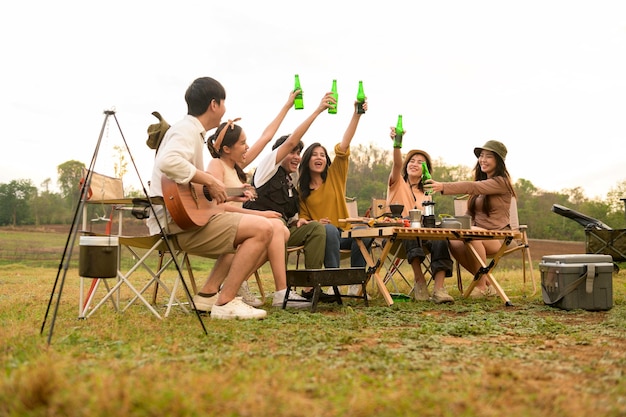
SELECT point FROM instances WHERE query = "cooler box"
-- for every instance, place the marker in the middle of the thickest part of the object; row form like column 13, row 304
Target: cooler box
column 98, row 256
column 577, row 281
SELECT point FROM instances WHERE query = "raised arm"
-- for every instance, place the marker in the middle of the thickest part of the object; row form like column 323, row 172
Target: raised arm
column 351, row 130
column 269, row 131
column 299, row 132
column 396, row 169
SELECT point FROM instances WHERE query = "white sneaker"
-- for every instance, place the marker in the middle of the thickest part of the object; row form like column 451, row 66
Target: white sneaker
column 295, row 300
column 247, row 296
column 354, row 289
column 236, row 309
column 204, row 304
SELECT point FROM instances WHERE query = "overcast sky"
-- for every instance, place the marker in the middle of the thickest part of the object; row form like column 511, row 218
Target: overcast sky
column 547, row 78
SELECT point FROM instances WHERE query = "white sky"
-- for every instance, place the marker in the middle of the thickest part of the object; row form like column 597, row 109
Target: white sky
column 547, row 78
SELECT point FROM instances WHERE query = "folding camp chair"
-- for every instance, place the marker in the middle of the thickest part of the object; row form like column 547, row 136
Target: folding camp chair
column 379, row 207
column 141, row 249
column 599, row 237
column 393, row 264
column 353, row 212
column 460, row 209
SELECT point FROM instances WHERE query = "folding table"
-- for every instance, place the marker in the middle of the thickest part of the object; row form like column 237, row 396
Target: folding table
column 405, row 233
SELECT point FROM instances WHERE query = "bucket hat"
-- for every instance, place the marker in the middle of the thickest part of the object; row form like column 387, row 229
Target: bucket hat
column 493, row 146
column 156, row 131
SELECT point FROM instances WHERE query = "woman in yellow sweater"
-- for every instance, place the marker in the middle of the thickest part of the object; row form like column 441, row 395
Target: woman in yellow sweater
column 322, row 185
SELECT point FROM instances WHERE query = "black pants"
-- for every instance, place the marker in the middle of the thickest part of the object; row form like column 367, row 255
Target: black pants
column 440, row 259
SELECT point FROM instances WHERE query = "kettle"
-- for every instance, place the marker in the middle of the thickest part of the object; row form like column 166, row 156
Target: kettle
column 450, row 223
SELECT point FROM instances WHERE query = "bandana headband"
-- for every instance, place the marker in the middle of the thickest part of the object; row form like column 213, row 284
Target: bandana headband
column 220, row 136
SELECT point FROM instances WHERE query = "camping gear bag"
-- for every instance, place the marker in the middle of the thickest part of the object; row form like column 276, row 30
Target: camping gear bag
column 574, row 281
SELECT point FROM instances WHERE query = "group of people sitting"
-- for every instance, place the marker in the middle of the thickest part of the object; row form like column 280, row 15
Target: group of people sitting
column 272, row 212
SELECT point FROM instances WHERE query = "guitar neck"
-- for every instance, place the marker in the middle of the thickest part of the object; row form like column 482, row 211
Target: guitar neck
column 230, row 192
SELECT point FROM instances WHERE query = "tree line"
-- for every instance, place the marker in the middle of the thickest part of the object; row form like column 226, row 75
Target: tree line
column 22, row 203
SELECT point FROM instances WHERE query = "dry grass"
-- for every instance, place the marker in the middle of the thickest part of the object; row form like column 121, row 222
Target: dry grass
column 472, row 358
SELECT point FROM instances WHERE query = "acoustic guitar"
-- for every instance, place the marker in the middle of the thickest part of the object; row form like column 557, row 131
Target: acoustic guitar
column 189, row 204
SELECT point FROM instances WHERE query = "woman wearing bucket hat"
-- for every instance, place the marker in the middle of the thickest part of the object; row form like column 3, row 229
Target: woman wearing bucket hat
column 489, row 206
column 405, row 187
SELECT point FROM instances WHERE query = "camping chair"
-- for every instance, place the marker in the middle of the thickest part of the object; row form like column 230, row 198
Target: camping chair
column 396, row 259
column 460, row 209
column 379, row 207
column 108, row 191
column 599, row 236
column 353, row 212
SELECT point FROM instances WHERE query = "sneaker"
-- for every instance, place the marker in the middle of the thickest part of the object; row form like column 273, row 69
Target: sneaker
column 236, row 309
column 247, row 296
column 324, row 297
column 421, row 293
column 294, row 300
column 354, row 289
column 483, row 293
column 441, row 296
column 204, row 304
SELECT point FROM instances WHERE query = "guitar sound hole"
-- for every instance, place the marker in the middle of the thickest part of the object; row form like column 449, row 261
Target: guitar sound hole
column 205, row 190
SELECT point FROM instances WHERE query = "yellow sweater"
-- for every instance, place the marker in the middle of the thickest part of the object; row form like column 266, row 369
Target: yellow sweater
column 329, row 200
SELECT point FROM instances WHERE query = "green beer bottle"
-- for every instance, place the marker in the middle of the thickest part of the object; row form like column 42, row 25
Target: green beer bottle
column 397, row 142
column 333, row 109
column 298, row 102
column 360, row 98
column 426, row 176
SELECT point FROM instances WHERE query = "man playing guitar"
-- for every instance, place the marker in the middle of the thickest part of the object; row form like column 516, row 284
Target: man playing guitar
column 180, row 160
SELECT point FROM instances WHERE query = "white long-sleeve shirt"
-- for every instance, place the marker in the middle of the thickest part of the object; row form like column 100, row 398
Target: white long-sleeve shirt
column 179, row 156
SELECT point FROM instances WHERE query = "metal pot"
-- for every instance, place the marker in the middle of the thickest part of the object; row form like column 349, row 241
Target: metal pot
column 466, row 221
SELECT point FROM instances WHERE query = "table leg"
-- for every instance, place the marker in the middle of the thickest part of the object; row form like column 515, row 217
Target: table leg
column 370, row 263
column 487, row 272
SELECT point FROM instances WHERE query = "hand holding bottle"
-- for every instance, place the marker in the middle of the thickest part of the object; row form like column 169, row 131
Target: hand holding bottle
column 328, row 101
column 298, row 101
column 292, row 97
column 392, row 133
column 425, row 177
column 399, row 133
column 434, row 186
column 360, row 98
column 333, row 108
column 360, row 106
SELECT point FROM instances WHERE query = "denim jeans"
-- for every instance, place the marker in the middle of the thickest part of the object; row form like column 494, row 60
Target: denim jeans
column 334, row 243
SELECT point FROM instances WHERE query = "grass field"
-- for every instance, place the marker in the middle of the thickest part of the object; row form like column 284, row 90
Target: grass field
column 471, row 358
